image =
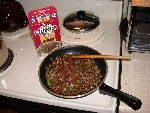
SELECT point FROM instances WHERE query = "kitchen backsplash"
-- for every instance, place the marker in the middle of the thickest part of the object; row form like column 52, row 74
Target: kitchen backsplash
column 35, row 4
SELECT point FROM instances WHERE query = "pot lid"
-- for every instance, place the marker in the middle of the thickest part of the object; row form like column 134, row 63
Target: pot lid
column 81, row 21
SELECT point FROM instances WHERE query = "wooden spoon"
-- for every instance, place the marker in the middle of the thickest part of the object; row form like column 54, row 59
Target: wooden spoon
column 108, row 57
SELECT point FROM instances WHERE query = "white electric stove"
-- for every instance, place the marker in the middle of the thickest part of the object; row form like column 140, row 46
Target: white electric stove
column 20, row 79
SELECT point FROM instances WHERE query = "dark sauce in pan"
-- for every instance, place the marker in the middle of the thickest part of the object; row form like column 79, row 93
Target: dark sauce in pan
column 71, row 77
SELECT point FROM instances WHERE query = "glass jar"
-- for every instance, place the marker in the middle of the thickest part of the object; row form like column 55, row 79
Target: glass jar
column 12, row 17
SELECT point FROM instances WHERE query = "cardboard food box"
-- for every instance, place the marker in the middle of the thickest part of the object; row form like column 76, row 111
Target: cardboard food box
column 45, row 30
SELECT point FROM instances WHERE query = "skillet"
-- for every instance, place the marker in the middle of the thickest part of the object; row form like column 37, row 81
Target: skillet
column 130, row 100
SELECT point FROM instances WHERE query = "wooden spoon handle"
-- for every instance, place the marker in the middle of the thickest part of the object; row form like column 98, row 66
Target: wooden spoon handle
column 109, row 57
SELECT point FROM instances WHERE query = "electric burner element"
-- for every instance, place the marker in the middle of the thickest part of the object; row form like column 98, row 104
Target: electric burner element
column 82, row 28
column 8, row 61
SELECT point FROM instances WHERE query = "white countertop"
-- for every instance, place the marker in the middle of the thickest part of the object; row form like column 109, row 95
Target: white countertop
column 135, row 80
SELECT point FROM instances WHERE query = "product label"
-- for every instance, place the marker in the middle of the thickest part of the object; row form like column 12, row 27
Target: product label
column 44, row 26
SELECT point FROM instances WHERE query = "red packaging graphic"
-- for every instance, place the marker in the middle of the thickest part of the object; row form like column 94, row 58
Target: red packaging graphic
column 44, row 26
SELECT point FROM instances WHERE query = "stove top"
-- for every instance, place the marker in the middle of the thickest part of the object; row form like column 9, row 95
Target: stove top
column 21, row 80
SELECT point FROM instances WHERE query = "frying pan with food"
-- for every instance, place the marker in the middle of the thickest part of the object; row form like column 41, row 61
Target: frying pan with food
column 131, row 101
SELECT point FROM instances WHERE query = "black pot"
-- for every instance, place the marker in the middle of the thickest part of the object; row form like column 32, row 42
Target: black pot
column 131, row 101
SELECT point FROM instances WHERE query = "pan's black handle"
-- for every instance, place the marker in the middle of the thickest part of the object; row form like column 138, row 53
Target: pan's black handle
column 124, row 28
column 130, row 100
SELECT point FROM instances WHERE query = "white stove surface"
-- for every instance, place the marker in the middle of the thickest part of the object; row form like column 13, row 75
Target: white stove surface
column 21, row 80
